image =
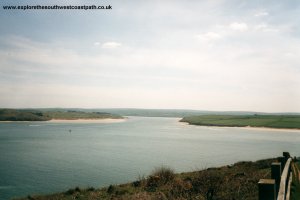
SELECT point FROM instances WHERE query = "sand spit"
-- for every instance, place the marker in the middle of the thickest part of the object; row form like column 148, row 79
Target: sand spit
column 86, row 120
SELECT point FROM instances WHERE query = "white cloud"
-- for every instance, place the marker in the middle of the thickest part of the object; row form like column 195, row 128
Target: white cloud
column 97, row 43
column 265, row 28
column 209, row 36
column 261, row 14
column 163, row 67
column 111, row 45
column 238, row 26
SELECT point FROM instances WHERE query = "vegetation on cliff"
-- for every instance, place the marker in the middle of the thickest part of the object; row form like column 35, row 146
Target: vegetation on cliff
column 238, row 181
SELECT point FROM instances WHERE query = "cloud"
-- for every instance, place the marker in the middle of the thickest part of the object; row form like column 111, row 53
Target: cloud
column 97, row 43
column 265, row 28
column 261, row 14
column 111, row 45
column 209, row 36
column 237, row 63
column 238, row 26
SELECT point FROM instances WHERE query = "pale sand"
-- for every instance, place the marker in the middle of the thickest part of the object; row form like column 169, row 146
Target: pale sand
column 270, row 129
column 73, row 121
column 246, row 127
column 86, row 120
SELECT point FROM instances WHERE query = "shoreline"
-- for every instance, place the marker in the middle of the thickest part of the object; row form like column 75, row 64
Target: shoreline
column 104, row 120
column 168, row 180
column 249, row 127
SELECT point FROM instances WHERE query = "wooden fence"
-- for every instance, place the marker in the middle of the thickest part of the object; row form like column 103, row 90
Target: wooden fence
column 278, row 187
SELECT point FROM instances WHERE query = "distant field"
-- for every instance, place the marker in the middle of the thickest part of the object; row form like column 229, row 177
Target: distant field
column 271, row 121
column 37, row 115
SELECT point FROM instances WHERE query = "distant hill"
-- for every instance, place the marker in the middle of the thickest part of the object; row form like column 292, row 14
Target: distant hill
column 179, row 113
column 42, row 114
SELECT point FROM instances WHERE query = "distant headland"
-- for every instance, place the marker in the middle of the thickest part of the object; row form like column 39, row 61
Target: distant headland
column 265, row 121
column 52, row 114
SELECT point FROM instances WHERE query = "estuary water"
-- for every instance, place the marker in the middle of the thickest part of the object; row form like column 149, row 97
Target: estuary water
column 45, row 157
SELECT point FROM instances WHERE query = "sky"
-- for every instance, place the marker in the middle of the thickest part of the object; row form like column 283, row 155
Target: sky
column 225, row 55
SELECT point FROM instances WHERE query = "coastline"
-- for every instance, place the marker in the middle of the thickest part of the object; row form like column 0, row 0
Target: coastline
column 270, row 129
column 163, row 183
column 104, row 120
column 249, row 128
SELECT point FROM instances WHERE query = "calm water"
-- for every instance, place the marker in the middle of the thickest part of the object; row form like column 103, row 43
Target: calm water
column 43, row 157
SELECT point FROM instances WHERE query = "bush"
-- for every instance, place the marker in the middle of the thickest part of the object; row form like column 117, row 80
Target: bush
column 208, row 184
column 152, row 183
column 181, row 188
column 136, row 184
column 77, row 189
column 164, row 174
column 121, row 191
column 160, row 176
column 70, row 192
column 91, row 189
column 111, row 189
column 30, row 197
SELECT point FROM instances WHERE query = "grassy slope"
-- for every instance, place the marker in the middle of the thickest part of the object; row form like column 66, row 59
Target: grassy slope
column 238, row 181
column 37, row 115
column 80, row 115
column 296, row 182
column 272, row 121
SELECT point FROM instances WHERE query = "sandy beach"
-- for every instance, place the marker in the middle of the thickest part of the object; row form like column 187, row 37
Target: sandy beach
column 86, row 120
column 270, row 129
column 247, row 127
column 73, row 121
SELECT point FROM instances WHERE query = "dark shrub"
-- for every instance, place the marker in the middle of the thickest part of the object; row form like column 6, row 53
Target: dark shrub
column 136, row 184
column 263, row 164
column 91, row 189
column 159, row 176
column 77, row 189
column 30, row 197
column 70, row 192
column 208, row 184
column 111, row 189
column 121, row 191
column 181, row 188
column 152, row 183
column 164, row 174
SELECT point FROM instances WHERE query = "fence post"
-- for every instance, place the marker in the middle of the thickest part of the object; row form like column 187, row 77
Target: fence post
column 276, row 174
column 266, row 189
column 282, row 161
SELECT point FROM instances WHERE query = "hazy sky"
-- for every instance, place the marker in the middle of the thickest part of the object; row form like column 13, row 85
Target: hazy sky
column 207, row 55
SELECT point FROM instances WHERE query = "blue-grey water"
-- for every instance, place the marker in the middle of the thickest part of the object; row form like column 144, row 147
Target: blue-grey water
column 44, row 157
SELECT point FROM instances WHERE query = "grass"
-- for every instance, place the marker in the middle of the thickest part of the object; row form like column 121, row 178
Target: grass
column 295, row 195
column 270, row 121
column 238, row 181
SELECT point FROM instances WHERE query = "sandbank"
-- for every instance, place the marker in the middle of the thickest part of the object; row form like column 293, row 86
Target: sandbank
column 86, row 120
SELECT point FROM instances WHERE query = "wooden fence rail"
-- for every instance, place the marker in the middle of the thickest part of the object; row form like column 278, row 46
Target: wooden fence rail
column 278, row 187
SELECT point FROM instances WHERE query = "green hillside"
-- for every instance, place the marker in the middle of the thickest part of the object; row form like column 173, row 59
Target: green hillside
column 38, row 115
column 271, row 121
